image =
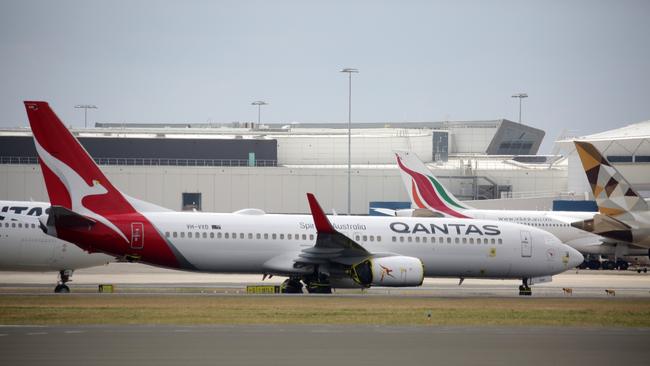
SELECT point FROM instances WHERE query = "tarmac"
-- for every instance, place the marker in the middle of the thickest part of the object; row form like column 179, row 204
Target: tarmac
column 139, row 278
column 320, row 345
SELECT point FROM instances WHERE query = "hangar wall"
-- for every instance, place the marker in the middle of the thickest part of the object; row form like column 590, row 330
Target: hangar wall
column 273, row 189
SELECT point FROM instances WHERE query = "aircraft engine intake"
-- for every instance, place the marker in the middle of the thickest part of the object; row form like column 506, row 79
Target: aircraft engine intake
column 393, row 271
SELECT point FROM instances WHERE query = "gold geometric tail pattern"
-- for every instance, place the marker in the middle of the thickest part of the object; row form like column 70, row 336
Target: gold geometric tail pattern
column 614, row 195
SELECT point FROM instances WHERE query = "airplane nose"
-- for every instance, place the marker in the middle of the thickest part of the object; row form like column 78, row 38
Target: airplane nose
column 575, row 257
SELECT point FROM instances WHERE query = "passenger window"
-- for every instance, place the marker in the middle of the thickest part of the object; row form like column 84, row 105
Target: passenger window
column 410, row 239
column 182, row 234
column 424, row 239
column 378, row 237
column 500, row 241
column 297, row 236
column 357, row 238
column 471, row 240
column 401, row 239
column 211, row 235
column 241, row 236
column 464, row 240
column 197, row 235
column 218, row 235
column 266, row 236
column 456, row 240
column 281, row 236
column 417, row 239
column 311, row 236
column 492, row 240
column 365, row 238
column 448, row 240
column 394, row 239
column 234, row 235
column 226, row 235
column 273, row 236
column 372, row 238
column 20, row 226
column 33, row 226
column 175, row 234
column 205, row 235
column 250, row 235
column 288, row 236
column 258, row 236
column 304, row 236
column 167, row 234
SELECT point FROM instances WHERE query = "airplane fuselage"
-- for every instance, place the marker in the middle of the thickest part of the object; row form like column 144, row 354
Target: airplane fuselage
column 266, row 243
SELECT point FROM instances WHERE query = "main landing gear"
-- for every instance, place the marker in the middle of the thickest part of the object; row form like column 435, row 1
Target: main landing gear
column 64, row 277
column 291, row 286
column 316, row 284
column 319, row 284
column 524, row 289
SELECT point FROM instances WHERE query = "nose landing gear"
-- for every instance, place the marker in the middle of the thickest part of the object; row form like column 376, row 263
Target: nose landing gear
column 524, row 289
column 64, row 277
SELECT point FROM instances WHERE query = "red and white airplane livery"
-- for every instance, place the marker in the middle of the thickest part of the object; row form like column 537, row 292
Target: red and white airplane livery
column 322, row 252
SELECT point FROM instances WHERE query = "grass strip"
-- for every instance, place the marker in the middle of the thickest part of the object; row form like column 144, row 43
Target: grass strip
column 379, row 310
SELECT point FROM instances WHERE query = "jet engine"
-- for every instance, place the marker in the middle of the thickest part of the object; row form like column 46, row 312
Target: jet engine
column 393, row 271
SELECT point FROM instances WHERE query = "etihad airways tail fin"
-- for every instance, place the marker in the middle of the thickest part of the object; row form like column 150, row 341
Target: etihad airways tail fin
column 613, row 193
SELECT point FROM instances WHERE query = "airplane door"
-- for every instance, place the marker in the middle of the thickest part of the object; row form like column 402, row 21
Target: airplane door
column 137, row 235
column 526, row 244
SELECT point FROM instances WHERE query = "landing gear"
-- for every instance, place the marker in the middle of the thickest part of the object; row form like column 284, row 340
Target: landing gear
column 524, row 289
column 64, row 277
column 291, row 286
column 319, row 285
column 622, row 265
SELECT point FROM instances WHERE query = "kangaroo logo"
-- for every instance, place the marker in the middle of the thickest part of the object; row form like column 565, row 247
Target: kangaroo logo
column 77, row 188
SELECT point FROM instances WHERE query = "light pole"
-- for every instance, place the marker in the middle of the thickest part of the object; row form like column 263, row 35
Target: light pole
column 85, row 108
column 259, row 104
column 349, row 71
column 520, row 96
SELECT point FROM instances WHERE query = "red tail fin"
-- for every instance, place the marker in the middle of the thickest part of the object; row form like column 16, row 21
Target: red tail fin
column 72, row 178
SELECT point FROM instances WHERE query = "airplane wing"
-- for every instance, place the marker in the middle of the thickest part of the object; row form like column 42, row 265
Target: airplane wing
column 331, row 245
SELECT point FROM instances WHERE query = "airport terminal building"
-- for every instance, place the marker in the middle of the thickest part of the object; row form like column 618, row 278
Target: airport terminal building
column 225, row 168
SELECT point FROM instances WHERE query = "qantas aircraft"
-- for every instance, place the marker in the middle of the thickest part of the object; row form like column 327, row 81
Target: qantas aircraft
column 347, row 251
column 623, row 213
column 24, row 246
column 426, row 192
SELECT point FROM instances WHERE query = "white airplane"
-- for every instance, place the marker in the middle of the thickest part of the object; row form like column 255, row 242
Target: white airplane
column 427, row 193
column 25, row 247
column 322, row 252
column 623, row 213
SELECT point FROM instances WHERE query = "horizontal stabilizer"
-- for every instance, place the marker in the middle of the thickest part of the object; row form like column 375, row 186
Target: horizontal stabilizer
column 61, row 217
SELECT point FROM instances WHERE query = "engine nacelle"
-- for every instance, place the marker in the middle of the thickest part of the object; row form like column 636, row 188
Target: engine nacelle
column 394, row 271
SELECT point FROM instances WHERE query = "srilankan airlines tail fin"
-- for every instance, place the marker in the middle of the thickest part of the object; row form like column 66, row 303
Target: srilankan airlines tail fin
column 613, row 193
column 425, row 191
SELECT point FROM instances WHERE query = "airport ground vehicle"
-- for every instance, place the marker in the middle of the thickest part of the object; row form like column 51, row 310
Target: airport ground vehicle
column 321, row 252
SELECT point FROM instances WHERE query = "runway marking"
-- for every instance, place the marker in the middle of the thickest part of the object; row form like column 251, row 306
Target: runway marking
column 36, row 333
column 3, row 334
column 74, row 331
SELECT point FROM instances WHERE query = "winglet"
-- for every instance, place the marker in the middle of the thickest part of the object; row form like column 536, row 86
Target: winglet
column 323, row 225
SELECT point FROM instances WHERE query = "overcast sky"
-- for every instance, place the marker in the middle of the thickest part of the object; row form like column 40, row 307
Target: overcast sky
column 584, row 64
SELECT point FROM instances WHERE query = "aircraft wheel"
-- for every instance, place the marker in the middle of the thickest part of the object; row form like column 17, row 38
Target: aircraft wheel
column 291, row 286
column 62, row 289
